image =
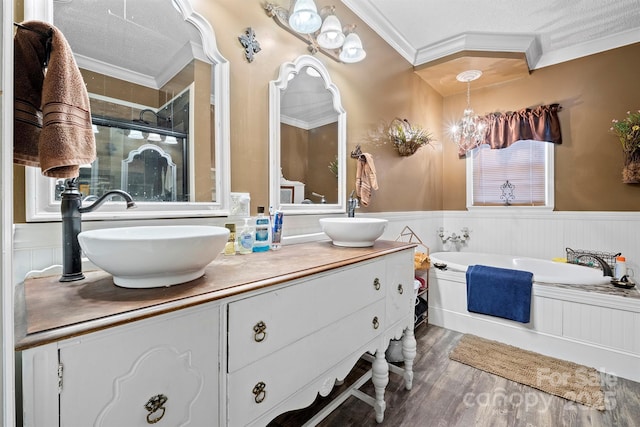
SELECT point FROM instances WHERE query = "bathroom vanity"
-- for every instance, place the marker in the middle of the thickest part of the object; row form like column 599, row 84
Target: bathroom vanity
column 256, row 336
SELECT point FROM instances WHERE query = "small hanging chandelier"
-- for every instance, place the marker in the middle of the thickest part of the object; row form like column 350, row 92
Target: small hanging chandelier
column 469, row 132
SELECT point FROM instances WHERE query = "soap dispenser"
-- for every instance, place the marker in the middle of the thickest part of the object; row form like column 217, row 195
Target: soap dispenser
column 245, row 238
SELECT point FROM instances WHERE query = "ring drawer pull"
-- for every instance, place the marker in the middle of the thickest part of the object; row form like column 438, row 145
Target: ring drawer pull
column 375, row 322
column 259, row 331
column 400, row 289
column 376, row 284
column 259, row 392
column 154, row 405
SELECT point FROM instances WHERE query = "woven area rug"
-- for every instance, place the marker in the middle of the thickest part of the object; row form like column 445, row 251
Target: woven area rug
column 554, row 376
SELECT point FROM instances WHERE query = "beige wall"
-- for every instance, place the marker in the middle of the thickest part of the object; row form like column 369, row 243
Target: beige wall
column 592, row 91
column 381, row 87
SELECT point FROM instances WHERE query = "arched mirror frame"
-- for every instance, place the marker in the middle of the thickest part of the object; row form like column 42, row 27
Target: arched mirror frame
column 40, row 205
column 275, row 87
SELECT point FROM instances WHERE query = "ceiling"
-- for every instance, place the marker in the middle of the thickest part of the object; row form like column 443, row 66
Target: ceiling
column 142, row 41
column 503, row 38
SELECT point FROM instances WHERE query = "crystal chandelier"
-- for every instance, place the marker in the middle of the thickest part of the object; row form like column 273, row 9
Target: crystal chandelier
column 469, row 132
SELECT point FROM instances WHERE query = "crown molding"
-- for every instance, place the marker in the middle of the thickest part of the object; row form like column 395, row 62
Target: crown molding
column 483, row 42
column 589, row 48
column 380, row 24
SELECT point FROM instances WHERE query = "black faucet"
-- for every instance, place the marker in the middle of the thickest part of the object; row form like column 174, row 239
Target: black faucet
column 606, row 268
column 72, row 210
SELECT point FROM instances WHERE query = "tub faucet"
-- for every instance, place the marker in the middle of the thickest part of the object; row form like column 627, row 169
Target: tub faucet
column 72, row 210
column 352, row 204
column 606, row 268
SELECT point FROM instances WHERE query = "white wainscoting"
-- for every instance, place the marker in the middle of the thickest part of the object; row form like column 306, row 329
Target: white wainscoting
column 503, row 230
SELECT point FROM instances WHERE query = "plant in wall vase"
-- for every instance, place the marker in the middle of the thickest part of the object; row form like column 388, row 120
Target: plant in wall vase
column 408, row 139
column 628, row 132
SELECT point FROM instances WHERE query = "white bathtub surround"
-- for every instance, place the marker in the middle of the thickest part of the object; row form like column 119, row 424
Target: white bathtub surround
column 580, row 324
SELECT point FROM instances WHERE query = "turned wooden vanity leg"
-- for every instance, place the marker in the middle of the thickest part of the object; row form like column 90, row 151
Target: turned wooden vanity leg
column 380, row 379
column 409, row 354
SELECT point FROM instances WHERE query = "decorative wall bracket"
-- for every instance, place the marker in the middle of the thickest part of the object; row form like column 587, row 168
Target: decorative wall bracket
column 250, row 44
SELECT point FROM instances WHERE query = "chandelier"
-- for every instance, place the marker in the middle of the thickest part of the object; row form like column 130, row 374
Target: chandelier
column 321, row 31
column 469, row 132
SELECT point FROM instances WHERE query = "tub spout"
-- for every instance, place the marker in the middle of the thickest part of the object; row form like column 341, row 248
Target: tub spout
column 606, row 268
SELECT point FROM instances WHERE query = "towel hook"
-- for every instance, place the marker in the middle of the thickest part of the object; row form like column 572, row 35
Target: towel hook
column 357, row 154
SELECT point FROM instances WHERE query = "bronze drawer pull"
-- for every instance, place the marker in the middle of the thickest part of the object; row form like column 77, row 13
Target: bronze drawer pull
column 153, row 405
column 400, row 289
column 259, row 331
column 375, row 323
column 376, row 284
column 259, row 392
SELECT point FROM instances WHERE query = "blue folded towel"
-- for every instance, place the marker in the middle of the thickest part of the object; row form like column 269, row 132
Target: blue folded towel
column 499, row 292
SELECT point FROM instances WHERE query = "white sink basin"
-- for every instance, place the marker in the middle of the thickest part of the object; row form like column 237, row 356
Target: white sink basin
column 153, row 256
column 353, row 232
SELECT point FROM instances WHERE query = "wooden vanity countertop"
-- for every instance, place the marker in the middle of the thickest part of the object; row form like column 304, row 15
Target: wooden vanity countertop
column 48, row 310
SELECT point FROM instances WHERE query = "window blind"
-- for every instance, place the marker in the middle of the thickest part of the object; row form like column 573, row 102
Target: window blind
column 522, row 164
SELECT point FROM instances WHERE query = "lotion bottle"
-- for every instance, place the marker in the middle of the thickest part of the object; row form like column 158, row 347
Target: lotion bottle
column 621, row 267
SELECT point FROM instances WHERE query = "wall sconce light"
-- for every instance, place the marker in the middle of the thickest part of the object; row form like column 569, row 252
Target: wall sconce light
column 135, row 134
column 322, row 32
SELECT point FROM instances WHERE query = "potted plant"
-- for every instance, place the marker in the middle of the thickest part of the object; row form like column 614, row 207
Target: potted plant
column 408, row 139
column 628, row 132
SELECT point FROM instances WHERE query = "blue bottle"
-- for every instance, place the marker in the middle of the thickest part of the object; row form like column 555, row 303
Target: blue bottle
column 262, row 242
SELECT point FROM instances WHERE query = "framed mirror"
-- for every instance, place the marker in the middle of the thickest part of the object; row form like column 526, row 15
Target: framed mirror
column 159, row 92
column 307, row 137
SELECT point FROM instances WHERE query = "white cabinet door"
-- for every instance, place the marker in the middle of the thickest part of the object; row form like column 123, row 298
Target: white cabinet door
column 399, row 284
column 162, row 370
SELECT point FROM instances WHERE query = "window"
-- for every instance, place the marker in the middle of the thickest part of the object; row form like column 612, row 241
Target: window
column 521, row 174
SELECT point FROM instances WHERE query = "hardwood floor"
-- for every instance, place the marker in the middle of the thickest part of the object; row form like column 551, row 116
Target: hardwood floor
column 447, row 393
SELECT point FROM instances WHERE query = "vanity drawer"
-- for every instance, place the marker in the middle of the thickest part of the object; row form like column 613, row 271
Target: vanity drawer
column 264, row 323
column 263, row 385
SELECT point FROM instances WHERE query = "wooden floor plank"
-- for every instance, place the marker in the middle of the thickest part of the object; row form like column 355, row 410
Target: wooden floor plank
column 450, row 394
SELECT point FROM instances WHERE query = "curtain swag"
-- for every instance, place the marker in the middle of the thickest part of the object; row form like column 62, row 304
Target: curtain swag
column 539, row 124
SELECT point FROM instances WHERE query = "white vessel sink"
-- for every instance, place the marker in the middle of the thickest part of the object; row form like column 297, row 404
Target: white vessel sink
column 153, row 256
column 353, row 232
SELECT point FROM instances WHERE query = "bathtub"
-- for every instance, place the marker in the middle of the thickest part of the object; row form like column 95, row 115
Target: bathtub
column 571, row 317
column 544, row 271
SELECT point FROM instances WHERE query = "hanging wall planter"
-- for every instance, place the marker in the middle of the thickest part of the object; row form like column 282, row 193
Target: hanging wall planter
column 406, row 138
column 631, row 172
column 628, row 133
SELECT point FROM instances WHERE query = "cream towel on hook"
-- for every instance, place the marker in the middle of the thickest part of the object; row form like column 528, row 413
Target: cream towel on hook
column 366, row 179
